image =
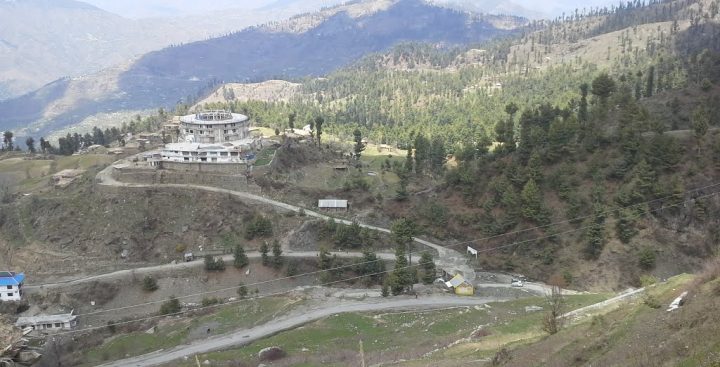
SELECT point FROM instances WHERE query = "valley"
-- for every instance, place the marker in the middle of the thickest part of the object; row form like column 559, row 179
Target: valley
column 377, row 183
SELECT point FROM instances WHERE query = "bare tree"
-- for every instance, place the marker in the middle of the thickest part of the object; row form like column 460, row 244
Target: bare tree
column 553, row 320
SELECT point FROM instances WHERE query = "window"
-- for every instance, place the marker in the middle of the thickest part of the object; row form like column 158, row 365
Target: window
column 58, row 324
column 186, row 159
column 191, row 131
column 9, row 294
column 9, row 287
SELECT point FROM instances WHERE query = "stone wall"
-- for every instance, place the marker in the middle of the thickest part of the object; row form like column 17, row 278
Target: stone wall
column 224, row 168
column 164, row 176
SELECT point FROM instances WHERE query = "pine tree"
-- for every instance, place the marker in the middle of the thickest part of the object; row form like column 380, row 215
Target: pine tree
column 359, row 145
column 650, row 85
column 403, row 280
column 428, row 268
column 264, row 254
column 531, row 198
column 583, row 108
column 240, row 258
column 319, row 121
column 277, row 254
column 595, row 234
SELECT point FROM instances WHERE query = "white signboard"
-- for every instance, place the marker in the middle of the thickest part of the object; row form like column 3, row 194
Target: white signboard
column 472, row 251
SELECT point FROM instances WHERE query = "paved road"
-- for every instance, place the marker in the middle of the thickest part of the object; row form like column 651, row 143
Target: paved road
column 189, row 265
column 242, row 337
column 447, row 259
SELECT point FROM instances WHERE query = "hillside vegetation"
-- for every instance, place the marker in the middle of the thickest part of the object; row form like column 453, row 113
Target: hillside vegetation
column 311, row 44
column 603, row 124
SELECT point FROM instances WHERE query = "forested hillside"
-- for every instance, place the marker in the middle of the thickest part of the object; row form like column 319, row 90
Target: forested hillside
column 311, row 44
column 605, row 151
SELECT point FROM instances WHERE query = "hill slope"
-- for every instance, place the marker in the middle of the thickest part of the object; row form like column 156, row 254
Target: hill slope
column 42, row 40
column 313, row 44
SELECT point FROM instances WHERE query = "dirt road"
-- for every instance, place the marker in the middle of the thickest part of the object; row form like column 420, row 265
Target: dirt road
column 242, row 337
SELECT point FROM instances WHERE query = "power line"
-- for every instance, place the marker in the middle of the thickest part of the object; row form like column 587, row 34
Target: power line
column 387, row 271
column 606, row 212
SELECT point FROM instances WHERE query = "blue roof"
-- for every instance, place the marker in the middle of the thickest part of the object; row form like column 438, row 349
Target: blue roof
column 10, row 278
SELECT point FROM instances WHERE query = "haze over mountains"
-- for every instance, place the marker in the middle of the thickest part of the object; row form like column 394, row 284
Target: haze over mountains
column 309, row 45
column 43, row 40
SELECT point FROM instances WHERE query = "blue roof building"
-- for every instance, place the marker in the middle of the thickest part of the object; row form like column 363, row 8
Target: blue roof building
column 11, row 286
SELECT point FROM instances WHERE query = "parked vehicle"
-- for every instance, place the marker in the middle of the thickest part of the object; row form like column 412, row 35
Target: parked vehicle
column 516, row 283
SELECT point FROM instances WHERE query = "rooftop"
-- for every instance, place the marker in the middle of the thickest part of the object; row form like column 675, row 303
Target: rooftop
column 45, row 319
column 213, row 117
column 11, row 278
column 332, row 203
column 230, row 145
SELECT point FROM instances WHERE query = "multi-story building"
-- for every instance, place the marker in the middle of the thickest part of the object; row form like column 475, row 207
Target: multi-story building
column 211, row 137
column 11, row 286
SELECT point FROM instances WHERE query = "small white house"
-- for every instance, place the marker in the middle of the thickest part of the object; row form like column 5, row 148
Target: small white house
column 66, row 321
column 11, row 286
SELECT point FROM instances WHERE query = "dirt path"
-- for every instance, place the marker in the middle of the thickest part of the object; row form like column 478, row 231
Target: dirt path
column 448, row 259
column 242, row 337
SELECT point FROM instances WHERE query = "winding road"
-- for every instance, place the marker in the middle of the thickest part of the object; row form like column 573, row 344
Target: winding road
column 447, row 259
column 245, row 336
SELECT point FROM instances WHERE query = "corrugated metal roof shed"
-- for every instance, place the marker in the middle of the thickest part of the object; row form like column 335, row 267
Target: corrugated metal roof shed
column 331, row 203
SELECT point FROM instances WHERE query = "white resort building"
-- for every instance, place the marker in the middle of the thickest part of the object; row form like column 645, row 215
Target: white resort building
column 211, row 137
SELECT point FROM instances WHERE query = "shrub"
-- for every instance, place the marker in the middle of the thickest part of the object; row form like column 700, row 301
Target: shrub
column 646, row 258
column 149, row 284
column 180, row 248
column 209, row 301
column 242, row 291
column 259, row 226
column 170, row 306
column 213, row 264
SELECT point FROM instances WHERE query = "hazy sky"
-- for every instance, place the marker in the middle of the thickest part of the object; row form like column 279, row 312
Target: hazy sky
column 171, row 8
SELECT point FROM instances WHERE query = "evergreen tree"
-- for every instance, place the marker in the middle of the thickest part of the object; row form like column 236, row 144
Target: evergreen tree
column 531, row 198
column 8, row 141
column 650, row 86
column 583, row 108
column 402, row 278
column 595, row 234
column 30, row 142
column 291, row 121
column 701, row 123
column 402, row 231
column 409, row 161
column 603, row 86
column 240, row 258
column 264, row 254
column 319, row 121
column 359, row 145
column 625, row 225
column 428, row 268
column 438, row 156
column 277, row 254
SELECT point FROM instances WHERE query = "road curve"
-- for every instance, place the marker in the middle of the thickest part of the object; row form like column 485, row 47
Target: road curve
column 246, row 336
column 448, row 259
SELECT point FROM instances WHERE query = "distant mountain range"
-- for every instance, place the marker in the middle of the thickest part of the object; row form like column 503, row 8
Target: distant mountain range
column 43, row 40
column 308, row 45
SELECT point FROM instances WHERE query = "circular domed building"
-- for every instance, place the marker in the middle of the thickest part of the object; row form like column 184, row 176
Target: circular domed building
column 209, row 127
column 215, row 136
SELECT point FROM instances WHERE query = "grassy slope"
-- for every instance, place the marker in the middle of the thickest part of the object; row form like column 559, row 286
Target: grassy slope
column 333, row 341
column 175, row 332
